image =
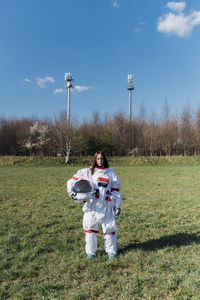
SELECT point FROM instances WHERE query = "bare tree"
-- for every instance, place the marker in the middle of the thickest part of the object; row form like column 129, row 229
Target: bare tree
column 187, row 132
column 64, row 137
column 197, row 132
column 169, row 131
column 116, row 135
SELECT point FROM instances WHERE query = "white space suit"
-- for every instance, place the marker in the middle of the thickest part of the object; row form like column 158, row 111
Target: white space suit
column 100, row 209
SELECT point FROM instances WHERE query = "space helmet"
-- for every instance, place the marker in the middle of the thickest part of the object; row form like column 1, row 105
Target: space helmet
column 84, row 190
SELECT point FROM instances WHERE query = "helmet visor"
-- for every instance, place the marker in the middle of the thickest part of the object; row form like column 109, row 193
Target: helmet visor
column 82, row 186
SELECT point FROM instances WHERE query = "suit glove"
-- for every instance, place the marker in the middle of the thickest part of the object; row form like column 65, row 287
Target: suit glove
column 73, row 196
column 116, row 212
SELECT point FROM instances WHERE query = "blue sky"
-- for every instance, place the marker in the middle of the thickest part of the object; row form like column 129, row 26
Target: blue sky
column 100, row 42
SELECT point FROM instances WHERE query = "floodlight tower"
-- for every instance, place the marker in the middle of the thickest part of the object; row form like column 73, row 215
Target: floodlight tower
column 69, row 84
column 130, row 88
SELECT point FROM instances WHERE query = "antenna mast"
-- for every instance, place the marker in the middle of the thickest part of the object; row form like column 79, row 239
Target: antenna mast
column 69, row 84
column 130, row 88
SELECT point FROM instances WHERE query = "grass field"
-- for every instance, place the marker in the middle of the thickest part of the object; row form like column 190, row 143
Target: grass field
column 42, row 243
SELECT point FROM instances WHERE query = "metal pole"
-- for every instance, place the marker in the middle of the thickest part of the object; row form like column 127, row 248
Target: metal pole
column 68, row 105
column 130, row 105
column 69, row 84
column 130, row 88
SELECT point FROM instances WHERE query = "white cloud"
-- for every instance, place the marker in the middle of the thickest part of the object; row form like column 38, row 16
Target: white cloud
column 176, row 6
column 58, row 91
column 81, row 88
column 115, row 3
column 139, row 28
column 41, row 82
column 179, row 23
column 27, row 80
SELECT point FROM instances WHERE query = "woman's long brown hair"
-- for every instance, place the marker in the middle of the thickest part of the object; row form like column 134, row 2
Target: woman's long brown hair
column 94, row 164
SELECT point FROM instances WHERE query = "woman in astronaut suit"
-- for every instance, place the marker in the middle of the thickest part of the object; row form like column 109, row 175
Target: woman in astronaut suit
column 103, row 209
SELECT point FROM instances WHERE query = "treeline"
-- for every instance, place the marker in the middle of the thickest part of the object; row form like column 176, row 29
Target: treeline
column 114, row 135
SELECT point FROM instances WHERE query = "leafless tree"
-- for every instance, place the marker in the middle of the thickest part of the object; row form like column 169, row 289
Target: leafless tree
column 116, row 135
column 187, row 132
column 64, row 137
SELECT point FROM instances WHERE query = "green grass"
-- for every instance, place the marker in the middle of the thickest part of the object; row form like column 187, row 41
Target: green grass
column 42, row 243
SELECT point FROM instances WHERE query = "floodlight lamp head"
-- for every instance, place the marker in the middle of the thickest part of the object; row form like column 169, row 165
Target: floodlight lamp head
column 130, row 78
column 68, row 77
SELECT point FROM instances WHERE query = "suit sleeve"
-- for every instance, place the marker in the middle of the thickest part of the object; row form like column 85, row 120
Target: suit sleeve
column 115, row 189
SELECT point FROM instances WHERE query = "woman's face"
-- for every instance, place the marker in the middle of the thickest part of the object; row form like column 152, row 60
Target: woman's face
column 100, row 160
